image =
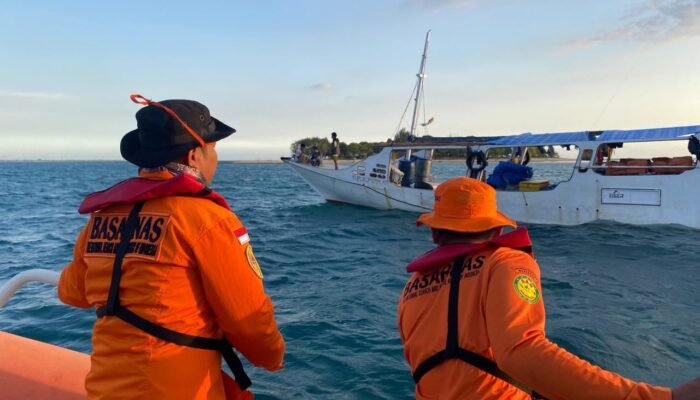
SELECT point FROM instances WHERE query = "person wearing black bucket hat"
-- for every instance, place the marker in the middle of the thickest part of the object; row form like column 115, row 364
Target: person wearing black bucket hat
column 192, row 289
column 161, row 138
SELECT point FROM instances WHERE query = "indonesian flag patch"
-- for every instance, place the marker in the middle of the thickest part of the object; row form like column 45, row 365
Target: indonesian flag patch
column 242, row 235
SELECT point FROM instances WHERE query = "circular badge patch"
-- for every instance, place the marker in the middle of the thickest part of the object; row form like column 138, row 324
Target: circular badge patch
column 525, row 288
column 253, row 262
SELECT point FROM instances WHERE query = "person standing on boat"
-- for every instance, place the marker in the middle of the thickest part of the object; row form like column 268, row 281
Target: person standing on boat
column 297, row 152
column 471, row 317
column 335, row 148
column 300, row 153
column 170, row 269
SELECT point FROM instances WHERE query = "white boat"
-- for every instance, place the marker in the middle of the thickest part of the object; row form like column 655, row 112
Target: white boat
column 660, row 189
column 656, row 190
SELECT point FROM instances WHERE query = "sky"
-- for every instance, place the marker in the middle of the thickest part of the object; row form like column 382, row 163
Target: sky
column 278, row 71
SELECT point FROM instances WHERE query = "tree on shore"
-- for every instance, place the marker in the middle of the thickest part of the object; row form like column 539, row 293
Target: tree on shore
column 352, row 150
column 364, row 149
column 324, row 146
column 401, row 136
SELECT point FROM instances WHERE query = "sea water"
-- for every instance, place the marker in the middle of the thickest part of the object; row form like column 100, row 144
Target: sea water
column 621, row 296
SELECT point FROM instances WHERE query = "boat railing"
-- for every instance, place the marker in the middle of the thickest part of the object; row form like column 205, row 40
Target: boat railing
column 602, row 166
column 10, row 287
column 649, row 167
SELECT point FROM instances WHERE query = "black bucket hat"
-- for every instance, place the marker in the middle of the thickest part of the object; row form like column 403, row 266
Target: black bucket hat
column 162, row 137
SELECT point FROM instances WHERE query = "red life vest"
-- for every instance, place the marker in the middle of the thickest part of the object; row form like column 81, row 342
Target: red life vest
column 518, row 239
column 136, row 189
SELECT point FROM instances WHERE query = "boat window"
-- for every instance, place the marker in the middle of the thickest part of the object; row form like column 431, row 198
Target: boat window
column 587, row 155
column 549, row 166
column 645, row 158
column 397, row 155
column 396, row 167
column 520, row 155
column 414, row 168
column 450, row 154
column 585, row 162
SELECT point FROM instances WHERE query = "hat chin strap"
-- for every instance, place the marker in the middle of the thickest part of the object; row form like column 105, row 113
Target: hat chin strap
column 138, row 99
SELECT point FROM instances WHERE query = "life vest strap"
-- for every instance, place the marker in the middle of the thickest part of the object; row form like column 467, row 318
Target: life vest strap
column 115, row 309
column 129, row 226
column 452, row 349
column 160, row 332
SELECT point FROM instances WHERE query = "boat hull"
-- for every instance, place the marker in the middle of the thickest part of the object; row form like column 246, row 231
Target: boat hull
column 344, row 186
column 586, row 197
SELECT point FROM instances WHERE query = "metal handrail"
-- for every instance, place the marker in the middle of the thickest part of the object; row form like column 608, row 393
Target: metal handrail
column 31, row 275
column 602, row 166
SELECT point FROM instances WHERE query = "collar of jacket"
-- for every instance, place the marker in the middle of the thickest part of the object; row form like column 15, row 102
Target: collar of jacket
column 517, row 239
column 149, row 185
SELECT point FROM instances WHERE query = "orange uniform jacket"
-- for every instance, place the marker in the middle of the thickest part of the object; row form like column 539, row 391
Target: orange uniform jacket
column 189, row 273
column 501, row 317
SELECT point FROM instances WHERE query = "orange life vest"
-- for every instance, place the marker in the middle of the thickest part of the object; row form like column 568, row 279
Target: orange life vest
column 495, row 322
column 189, row 270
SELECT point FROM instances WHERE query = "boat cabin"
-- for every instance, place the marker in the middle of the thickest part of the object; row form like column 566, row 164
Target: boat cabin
column 665, row 151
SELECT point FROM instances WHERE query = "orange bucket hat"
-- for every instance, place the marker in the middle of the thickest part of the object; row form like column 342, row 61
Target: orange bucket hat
column 465, row 205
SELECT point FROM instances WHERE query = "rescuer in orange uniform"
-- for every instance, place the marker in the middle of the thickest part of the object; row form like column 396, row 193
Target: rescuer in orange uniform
column 471, row 317
column 170, row 269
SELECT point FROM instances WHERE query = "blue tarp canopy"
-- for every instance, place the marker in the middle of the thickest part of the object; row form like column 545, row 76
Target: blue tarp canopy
column 541, row 139
column 648, row 134
column 452, row 139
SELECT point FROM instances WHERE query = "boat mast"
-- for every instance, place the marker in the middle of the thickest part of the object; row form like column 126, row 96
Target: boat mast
column 419, row 87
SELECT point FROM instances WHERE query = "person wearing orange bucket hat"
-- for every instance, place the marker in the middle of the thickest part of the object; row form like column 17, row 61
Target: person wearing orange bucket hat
column 471, row 317
column 170, row 270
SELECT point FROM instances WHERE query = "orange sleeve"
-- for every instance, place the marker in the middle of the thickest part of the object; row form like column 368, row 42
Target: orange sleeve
column 71, row 284
column 515, row 319
column 236, row 294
